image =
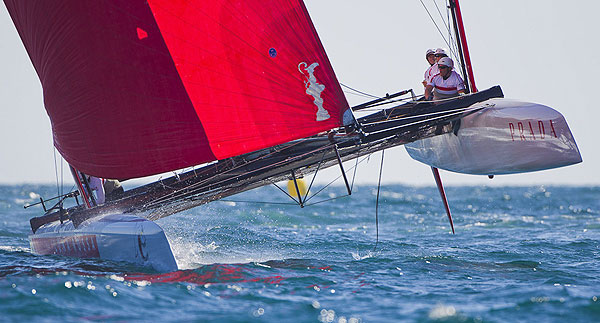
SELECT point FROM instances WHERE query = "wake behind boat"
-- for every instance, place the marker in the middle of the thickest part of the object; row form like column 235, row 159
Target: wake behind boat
column 243, row 92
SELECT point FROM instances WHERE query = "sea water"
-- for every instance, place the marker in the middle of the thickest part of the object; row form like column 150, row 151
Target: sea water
column 519, row 254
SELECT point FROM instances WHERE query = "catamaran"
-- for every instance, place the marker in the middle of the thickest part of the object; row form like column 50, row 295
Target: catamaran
column 242, row 92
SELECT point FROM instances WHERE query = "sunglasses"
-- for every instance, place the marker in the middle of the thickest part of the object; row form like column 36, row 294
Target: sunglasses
column 440, row 55
column 442, row 67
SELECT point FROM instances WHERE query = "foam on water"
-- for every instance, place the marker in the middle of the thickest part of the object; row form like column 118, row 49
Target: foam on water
column 356, row 255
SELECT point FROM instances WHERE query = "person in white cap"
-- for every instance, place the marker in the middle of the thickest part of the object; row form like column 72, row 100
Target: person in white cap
column 433, row 69
column 95, row 185
column 439, row 53
column 430, row 57
column 446, row 84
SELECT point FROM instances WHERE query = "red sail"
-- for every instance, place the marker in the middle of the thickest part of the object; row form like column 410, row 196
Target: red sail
column 136, row 88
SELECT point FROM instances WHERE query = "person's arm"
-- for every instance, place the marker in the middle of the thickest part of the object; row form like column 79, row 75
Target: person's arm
column 101, row 198
column 428, row 90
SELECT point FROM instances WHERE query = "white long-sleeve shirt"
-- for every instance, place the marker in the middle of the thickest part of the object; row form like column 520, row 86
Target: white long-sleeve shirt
column 431, row 72
column 96, row 185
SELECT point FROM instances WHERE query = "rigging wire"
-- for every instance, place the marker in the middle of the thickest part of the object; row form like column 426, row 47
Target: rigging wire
column 182, row 192
column 257, row 202
column 446, row 24
column 452, row 43
column 305, row 197
column 58, row 191
column 283, row 203
column 355, row 90
column 436, row 25
column 327, row 200
column 355, row 167
column 60, row 187
column 286, row 193
column 430, row 116
column 345, row 195
column 313, row 195
column 417, row 122
column 377, row 202
column 334, row 180
column 357, row 94
column 62, row 180
column 314, row 176
column 453, row 38
column 186, row 191
column 390, row 101
column 373, row 107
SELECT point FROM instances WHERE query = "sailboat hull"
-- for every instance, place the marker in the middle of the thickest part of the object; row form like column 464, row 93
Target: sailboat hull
column 116, row 237
column 506, row 137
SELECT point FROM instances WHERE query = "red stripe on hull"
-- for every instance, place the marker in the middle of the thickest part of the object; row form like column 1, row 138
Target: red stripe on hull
column 82, row 246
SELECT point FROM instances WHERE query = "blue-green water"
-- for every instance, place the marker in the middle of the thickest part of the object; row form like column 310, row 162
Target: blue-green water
column 519, row 254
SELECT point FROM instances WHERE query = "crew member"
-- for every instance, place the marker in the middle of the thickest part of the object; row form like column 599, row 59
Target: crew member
column 430, row 57
column 95, row 184
column 446, row 84
column 433, row 69
column 113, row 189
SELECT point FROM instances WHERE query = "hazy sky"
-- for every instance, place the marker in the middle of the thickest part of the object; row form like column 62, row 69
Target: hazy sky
column 540, row 51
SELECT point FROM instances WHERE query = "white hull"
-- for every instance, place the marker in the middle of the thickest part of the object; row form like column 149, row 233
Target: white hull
column 118, row 237
column 506, row 137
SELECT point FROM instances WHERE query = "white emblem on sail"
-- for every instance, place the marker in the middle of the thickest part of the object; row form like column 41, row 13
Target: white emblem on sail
column 314, row 89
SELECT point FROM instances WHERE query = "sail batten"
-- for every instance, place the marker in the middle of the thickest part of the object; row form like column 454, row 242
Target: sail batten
column 135, row 88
